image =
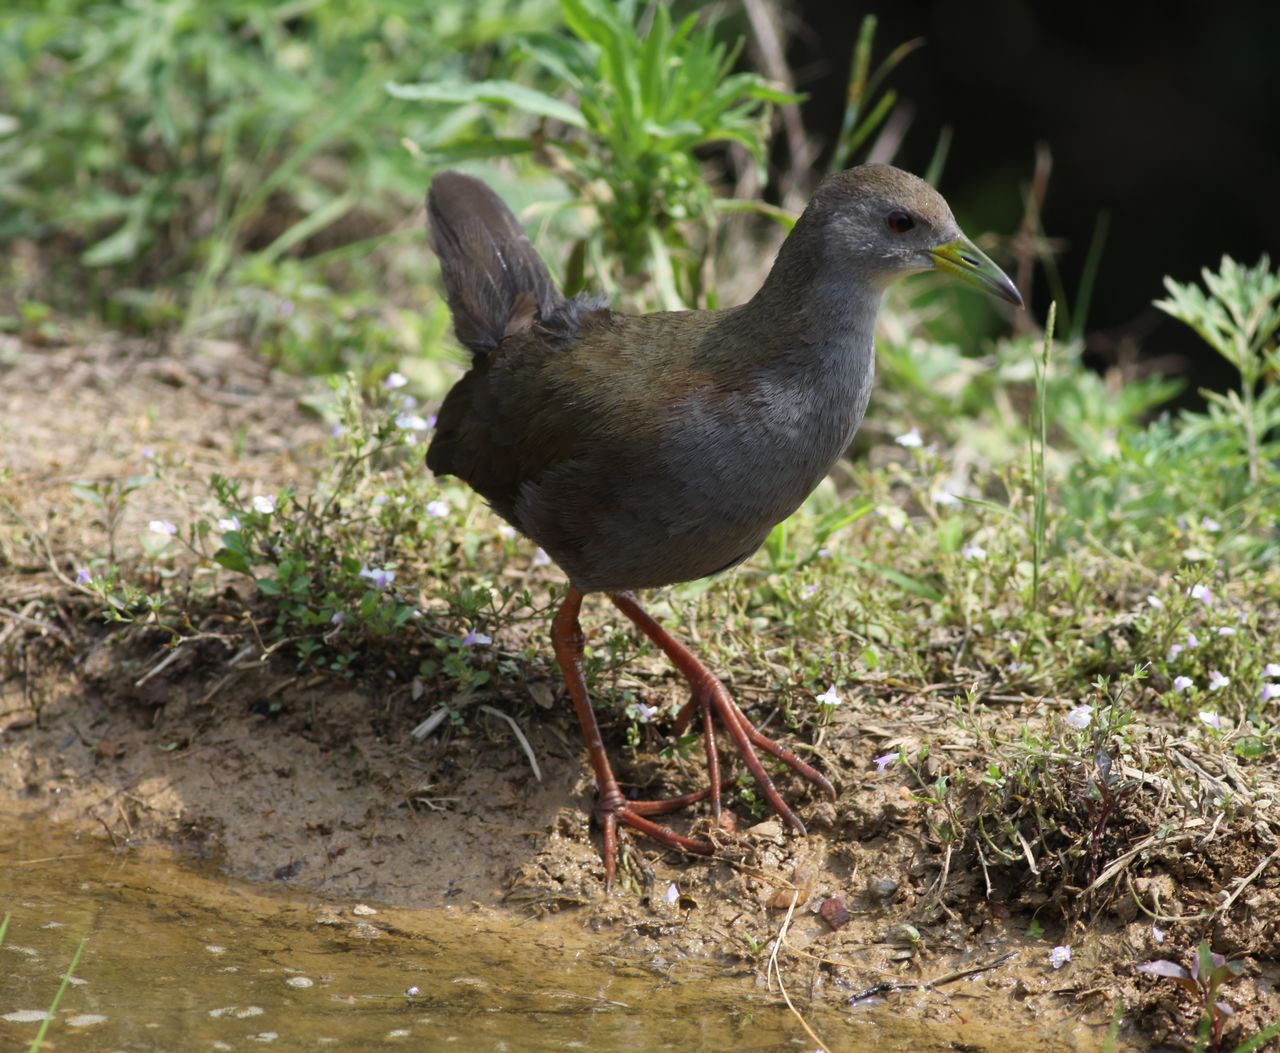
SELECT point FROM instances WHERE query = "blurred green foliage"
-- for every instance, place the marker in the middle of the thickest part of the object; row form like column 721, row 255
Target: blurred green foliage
column 226, row 166
column 636, row 95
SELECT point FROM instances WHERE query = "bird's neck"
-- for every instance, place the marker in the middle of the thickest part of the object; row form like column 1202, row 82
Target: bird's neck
column 811, row 313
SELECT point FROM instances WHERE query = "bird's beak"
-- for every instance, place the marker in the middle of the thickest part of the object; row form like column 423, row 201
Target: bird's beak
column 968, row 262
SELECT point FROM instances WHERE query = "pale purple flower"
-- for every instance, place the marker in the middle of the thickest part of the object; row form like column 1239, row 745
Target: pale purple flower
column 395, row 380
column 911, row 439
column 808, row 591
column 264, row 504
column 437, row 509
column 337, row 431
column 1211, row 719
column 945, row 498
column 339, row 617
column 1059, row 956
column 1175, row 650
column 1155, row 601
column 378, row 577
column 1271, row 669
column 1211, row 525
column 1270, row 691
column 829, row 698
column 162, row 526
column 884, row 761
column 641, row 713
column 1217, row 681
column 475, row 639
column 411, row 422
column 229, row 523
column 672, row 895
column 1183, row 683
column 83, row 577
column 1202, row 593
column 1080, row 717
column 1225, row 630
column 408, row 402
column 148, row 453
column 972, row 551
column 1193, row 640
column 540, row 558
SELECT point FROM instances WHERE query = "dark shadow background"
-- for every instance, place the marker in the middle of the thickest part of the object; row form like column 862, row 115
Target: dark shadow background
column 1166, row 115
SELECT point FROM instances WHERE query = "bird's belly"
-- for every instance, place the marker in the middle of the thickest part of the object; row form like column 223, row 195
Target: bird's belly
column 708, row 500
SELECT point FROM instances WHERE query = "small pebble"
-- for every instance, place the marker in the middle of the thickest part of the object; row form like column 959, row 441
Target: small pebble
column 834, row 913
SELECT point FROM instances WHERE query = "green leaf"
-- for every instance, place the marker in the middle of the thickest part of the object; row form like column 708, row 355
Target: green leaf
column 493, row 93
column 232, row 560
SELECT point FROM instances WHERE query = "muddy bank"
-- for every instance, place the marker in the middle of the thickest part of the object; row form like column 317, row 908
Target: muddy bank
column 314, row 786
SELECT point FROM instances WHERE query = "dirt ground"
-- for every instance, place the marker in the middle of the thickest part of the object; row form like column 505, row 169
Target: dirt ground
column 317, row 784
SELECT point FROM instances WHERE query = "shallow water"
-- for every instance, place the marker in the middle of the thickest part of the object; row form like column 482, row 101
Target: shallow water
column 179, row 958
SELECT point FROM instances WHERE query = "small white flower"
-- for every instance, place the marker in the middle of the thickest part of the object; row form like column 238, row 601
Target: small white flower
column 437, row 509
column 264, row 504
column 1193, row 640
column 395, row 380
column 378, row 577
column 408, row 402
column 1211, row 525
column 411, row 422
column 911, row 439
column 1080, row 717
column 641, row 713
column 1155, row 601
column 972, row 551
column 672, row 895
column 475, row 639
column 1202, row 593
column 1157, row 934
column 830, row 697
column 507, row 531
column 1217, row 681
column 945, row 498
column 540, row 558
column 162, row 526
column 1182, row 683
column 1059, row 956
column 1212, row 719
column 884, row 761
column 1272, row 669
column 229, row 523
column 1225, row 630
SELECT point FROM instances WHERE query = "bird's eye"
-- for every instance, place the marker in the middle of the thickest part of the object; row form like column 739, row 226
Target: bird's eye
column 899, row 222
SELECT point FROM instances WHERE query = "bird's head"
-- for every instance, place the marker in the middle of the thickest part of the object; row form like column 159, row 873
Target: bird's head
column 882, row 223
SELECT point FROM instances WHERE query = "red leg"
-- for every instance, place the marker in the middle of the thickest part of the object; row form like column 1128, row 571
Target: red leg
column 710, row 695
column 611, row 807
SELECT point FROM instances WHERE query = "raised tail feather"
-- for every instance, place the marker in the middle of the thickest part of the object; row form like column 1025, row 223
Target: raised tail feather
column 494, row 279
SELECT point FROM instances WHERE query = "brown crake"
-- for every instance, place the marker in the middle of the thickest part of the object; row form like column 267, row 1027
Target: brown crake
column 640, row 451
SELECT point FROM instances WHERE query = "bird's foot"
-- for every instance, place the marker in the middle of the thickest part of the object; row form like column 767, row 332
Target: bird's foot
column 613, row 809
column 712, row 699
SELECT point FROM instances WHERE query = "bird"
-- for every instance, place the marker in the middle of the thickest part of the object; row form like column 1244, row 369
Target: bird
column 640, row 451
